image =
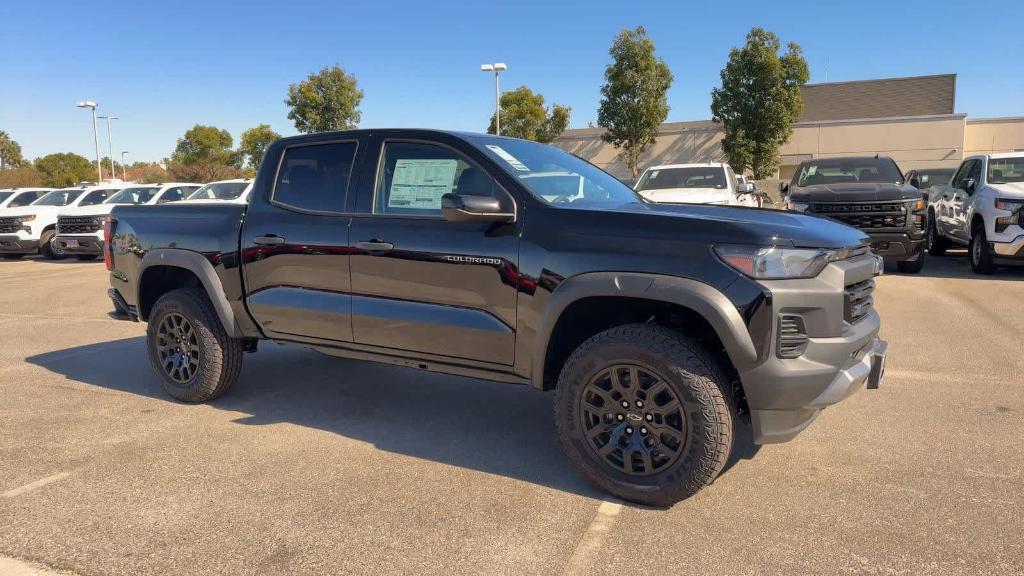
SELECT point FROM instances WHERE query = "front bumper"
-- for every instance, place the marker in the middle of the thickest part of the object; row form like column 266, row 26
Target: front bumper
column 897, row 245
column 1012, row 249
column 80, row 244
column 11, row 244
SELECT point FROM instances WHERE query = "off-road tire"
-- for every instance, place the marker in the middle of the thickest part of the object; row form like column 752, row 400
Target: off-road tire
column 937, row 244
column 86, row 257
column 220, row 356
column 981, row 252
column 695, row 379
column 46, row 247
column 11, row 256
column 912, row 266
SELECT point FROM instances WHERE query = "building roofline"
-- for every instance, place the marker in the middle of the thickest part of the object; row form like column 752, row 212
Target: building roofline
column 872, row 80
column 995, row 119
column 954, row 116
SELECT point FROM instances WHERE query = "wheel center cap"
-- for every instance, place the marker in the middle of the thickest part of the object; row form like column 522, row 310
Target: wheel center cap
column 634, row 417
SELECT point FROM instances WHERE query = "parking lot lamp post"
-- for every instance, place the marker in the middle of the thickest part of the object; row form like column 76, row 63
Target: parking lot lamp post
column 123, row 172
column 110, row 145
column 497, row 68
column 95, row 136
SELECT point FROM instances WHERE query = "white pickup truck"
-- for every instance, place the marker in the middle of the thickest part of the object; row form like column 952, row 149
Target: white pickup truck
column 18, row 197
column 32, row 229
column 80, row 228
column 708, row 183
column 981, row 208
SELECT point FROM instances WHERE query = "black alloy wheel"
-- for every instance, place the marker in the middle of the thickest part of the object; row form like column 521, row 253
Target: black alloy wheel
column 178, row 348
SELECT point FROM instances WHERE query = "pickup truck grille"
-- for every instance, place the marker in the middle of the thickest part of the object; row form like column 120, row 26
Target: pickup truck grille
column 9, row 225
column 866, row 215
column 77, row 225
column 858, row 300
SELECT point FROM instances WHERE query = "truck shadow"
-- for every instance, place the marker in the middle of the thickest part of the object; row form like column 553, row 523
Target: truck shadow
column 956, row 265
column 480, row 425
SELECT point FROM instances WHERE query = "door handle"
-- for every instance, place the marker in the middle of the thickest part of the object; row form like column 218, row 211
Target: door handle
column 268, row 240
column 375, row 246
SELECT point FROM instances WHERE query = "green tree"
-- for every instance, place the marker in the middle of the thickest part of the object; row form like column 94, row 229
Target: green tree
column 254, row 142
column 759, row 101
column 65, row 169
column 204, row 145
column 10, row 152
column 24, row 175
column 523, row 115
column 634, row 101
column 326, row 100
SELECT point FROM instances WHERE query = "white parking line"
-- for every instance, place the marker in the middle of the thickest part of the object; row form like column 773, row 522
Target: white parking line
column 583, row 557
column 12, row 567
column 34, row 485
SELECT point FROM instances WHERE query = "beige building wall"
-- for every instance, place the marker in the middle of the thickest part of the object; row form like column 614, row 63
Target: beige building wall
column 990, row 135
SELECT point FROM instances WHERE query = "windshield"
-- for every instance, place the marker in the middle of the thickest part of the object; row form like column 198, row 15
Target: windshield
column 219, row 191
column 845, row 170
column 690, row 177
column 133, row 195
column 4, row 196
column 555, row 176
column 1004, row 170
column 937, row 177
column 59, row 197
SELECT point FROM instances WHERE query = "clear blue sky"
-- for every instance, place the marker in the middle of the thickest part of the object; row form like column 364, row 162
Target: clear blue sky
column 165, row 66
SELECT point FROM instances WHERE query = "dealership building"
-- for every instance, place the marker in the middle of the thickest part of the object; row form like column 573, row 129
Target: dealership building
column 913, row 120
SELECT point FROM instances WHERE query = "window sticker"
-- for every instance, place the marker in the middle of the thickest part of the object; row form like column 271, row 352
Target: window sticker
column 420, row 184
column 654, row 174
column 812, row 169
column 504, row 155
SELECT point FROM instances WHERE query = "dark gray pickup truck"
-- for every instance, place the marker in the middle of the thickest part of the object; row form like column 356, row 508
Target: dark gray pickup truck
column 658, row 327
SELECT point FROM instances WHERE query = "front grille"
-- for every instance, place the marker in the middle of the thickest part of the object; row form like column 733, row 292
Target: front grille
column 9, row 225
column 866, row 215
column 792, row 336
column 859, row 300
column 77, row 225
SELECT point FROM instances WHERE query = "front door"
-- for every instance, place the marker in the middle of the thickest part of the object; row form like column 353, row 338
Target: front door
column 958, row 203
column 421, row 283
column 295, row 244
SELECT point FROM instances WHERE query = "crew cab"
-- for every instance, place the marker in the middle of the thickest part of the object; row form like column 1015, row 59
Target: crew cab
column 658, row 327
column 708, row 183
column 18, row 197
column 981, row 208
column 32, row 229
column 868, row 193
column 80, row 228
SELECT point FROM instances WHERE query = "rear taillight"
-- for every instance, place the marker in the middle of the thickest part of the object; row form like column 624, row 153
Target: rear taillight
column 108, row 252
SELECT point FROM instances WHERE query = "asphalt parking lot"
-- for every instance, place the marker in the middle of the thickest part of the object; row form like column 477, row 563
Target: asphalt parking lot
column 318, row 465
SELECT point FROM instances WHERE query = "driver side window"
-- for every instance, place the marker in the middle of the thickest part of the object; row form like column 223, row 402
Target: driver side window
column 961, row 174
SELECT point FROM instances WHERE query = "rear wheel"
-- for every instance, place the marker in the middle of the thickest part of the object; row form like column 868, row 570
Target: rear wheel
column 49, row 248
column 937, row 245
column 645, row 413
column 981, row 252
column 188, row 348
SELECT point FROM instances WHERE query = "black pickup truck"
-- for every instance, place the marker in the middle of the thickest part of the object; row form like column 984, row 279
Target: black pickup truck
column 871, row 194
column 658, row 327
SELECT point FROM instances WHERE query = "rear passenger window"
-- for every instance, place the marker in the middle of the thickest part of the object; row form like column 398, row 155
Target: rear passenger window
column 96, row 197
column 315, row 177
column 23, row 199
column 172, row 195
column 413, row 177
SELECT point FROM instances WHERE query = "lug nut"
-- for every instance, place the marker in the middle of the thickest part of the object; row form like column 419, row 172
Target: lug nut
column 639, row 404
column 649, row 417
column 643, row 430
column 619, row 417
column 625, row 404
column 629, row 430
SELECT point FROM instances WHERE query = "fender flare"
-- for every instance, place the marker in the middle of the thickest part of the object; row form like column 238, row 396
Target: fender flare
column 195, row 263
column 702, row 298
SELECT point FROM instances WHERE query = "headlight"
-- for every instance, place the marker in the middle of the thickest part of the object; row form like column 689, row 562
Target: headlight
column 27, row 218
column 1014, row 206
column 776, row 262
column 919, row 204
column 797, row 206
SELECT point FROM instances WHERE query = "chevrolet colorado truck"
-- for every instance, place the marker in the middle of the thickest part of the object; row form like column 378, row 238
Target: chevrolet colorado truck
column 657, row 327
column 981, row 208
column 871, row 194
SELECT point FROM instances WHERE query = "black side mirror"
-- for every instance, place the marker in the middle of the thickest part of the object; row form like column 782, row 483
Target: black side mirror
column 915, row 182
column 969, row 185
column 783, row 187
column 458, row 208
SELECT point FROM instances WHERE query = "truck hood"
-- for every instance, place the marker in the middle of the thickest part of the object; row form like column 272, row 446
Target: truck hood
column 853, row 192
column 1009, row 190
column 730, row 224
column 94, row 210
column 40, row 211
column 688, row 195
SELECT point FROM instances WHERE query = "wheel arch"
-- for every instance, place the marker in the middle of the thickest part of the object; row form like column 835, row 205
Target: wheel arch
column 168, row 269
column 697, row 300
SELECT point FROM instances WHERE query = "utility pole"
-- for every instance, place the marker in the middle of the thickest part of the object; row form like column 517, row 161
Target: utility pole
column 110, row 145
column 497, row 68
column 95, row 136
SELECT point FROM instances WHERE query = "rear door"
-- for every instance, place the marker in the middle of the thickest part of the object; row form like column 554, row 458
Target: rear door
column 295, row 243
column 944, row 213
column 421, row 283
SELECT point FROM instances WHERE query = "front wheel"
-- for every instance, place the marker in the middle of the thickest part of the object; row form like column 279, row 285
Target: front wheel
column 188, row 348
column 645, row 413
column 49, row 247
column 937, row 245
column 981, row 252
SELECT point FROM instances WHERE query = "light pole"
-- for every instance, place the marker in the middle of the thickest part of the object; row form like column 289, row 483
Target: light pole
column 497, row 68
column 110, row 145
column 123, row 173
column 95, row 136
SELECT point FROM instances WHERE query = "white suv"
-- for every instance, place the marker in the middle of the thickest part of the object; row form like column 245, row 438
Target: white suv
column 80, row 228
column 18, row 197
column 981, row 208
column 31, row 229
column 708, row 183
